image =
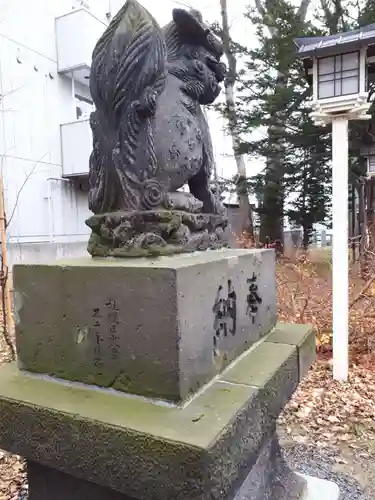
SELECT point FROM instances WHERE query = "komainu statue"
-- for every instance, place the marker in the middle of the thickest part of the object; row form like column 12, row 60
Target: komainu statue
column 151, row 137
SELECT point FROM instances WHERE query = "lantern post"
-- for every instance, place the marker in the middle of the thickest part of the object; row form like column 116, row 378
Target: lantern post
column 338, row 68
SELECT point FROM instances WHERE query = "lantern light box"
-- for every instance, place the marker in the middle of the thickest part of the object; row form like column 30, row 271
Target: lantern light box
column 339, row 67
column 338, row 75
column 368, row 152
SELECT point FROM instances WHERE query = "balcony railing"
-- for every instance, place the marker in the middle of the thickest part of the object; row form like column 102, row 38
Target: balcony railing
column 76, row 35
column 76, row 146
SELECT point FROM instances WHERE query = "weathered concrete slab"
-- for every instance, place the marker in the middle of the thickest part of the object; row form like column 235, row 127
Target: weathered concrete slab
column 300, row 336
column 157, row 327
column 202, row 450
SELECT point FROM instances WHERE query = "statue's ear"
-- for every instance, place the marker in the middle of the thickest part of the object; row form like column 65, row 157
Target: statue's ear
column 189, row 24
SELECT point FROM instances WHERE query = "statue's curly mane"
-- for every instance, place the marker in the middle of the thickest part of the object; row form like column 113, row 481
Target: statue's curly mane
column 128, row 74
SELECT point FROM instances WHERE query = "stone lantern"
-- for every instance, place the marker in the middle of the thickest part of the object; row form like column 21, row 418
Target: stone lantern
column 339, row 68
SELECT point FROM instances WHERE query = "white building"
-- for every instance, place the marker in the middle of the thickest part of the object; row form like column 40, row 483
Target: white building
column 45, row 138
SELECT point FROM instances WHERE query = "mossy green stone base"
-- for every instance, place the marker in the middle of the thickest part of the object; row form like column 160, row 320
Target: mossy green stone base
column 296, row 334
column 141, row 326
column 151, row 233
column 147, row 451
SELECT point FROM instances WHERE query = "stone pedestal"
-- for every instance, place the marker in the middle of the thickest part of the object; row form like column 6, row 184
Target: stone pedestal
column 268, row 478
column 154, row 327
column 203, row 449
column 81, row 415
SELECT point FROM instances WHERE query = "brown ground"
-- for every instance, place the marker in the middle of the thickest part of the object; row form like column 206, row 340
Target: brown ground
column 323, row 412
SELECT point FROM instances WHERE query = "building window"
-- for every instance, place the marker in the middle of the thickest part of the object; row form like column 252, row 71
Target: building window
column 338, row 75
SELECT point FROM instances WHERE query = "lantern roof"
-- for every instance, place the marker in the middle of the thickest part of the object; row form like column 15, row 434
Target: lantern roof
column 320, row 46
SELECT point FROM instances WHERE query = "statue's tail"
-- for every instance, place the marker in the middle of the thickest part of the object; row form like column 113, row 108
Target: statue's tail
column 127, row 75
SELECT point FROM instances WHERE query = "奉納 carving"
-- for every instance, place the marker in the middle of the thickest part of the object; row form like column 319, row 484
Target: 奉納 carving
column 253, row 300
column 225, row 314
column 151, row 137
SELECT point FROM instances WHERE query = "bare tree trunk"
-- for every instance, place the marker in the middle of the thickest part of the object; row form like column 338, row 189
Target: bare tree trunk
column 6, row 296
column 352, row 225
column 230, row 81
column 362, row 225
column 334, row 18
column 272, row 221
column 362, row 217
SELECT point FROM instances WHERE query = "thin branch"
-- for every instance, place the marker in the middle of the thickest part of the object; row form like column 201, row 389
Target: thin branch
column 10, row 92
column 182, row 4
column 260, row 8
column 302, row 11
column 22, row 187
column 4, row 276
column 363, row 290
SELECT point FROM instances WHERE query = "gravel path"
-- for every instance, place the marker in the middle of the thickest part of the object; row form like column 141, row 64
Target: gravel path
column 353, row 478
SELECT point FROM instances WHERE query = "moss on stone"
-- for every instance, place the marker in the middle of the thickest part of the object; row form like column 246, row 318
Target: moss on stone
column 137, row 447
column 196, row 424
column 263, row 359
column 303, row 337
column 291, row 333
column 152, row 233
column 252, row 371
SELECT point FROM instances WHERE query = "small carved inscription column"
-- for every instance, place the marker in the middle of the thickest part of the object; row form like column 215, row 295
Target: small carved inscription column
column 225, row 314
column 113, row 316
column 97, row 325
column 253, row 299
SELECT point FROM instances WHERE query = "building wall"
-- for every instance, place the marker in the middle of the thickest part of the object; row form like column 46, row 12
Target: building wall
column 40, row 205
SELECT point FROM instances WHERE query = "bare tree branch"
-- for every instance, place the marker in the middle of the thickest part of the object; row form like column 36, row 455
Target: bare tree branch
column 260, row 8
column 4, row 276
column 182, row 4
column 6, row 297
column 22, row 187
column 333, row 17
column 232, row 116
column 11, row 92
column 302, row 11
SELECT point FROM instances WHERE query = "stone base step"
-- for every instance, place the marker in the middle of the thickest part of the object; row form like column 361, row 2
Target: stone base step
column 219, row 445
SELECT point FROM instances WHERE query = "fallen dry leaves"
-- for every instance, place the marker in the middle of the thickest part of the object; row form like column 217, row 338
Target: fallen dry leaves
column 12, row 476
column 12, row 467
column 330, row 413
column 323, row 411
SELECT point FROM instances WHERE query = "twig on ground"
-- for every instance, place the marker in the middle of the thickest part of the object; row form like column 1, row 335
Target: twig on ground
column 363, row 291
